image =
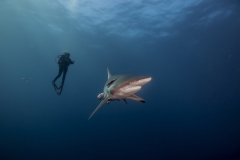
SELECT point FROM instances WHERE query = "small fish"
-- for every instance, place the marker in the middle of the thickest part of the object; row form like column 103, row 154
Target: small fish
column 26, row 79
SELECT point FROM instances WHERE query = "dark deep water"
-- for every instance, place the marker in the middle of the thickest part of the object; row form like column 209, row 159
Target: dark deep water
column 191, row 49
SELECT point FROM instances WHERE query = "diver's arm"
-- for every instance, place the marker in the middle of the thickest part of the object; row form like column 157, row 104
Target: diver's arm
column 71, row 62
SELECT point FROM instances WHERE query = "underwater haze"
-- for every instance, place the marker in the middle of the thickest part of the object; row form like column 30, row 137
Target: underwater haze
column 190, row 48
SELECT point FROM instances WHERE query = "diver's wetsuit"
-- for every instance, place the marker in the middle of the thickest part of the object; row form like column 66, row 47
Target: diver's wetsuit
column 63, row 63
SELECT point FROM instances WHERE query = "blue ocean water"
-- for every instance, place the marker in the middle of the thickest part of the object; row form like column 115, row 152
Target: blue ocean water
column 190, row 48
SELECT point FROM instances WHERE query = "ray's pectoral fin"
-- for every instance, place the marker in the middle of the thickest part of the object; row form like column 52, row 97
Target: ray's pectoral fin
column 136, row 98
column 103, row 101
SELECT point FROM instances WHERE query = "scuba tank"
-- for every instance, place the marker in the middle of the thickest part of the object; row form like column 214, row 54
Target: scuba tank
column 57, row 58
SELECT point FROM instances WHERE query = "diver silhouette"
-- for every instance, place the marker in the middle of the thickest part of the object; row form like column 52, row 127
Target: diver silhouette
column 63, row 62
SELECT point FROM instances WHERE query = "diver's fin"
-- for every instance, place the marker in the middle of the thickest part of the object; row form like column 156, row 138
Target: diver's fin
column 55, row 86
column 103, row 101
column 59, row 91
column 136, row 98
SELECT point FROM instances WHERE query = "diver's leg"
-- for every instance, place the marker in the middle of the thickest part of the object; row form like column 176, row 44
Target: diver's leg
column 59, row 74
column 64, row 75
column 53, row 82
column 63, row 79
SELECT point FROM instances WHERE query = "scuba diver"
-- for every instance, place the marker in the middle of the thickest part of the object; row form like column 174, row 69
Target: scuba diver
column 63, row 62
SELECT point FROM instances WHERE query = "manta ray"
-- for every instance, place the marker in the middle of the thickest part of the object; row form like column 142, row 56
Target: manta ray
column 121, row 87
